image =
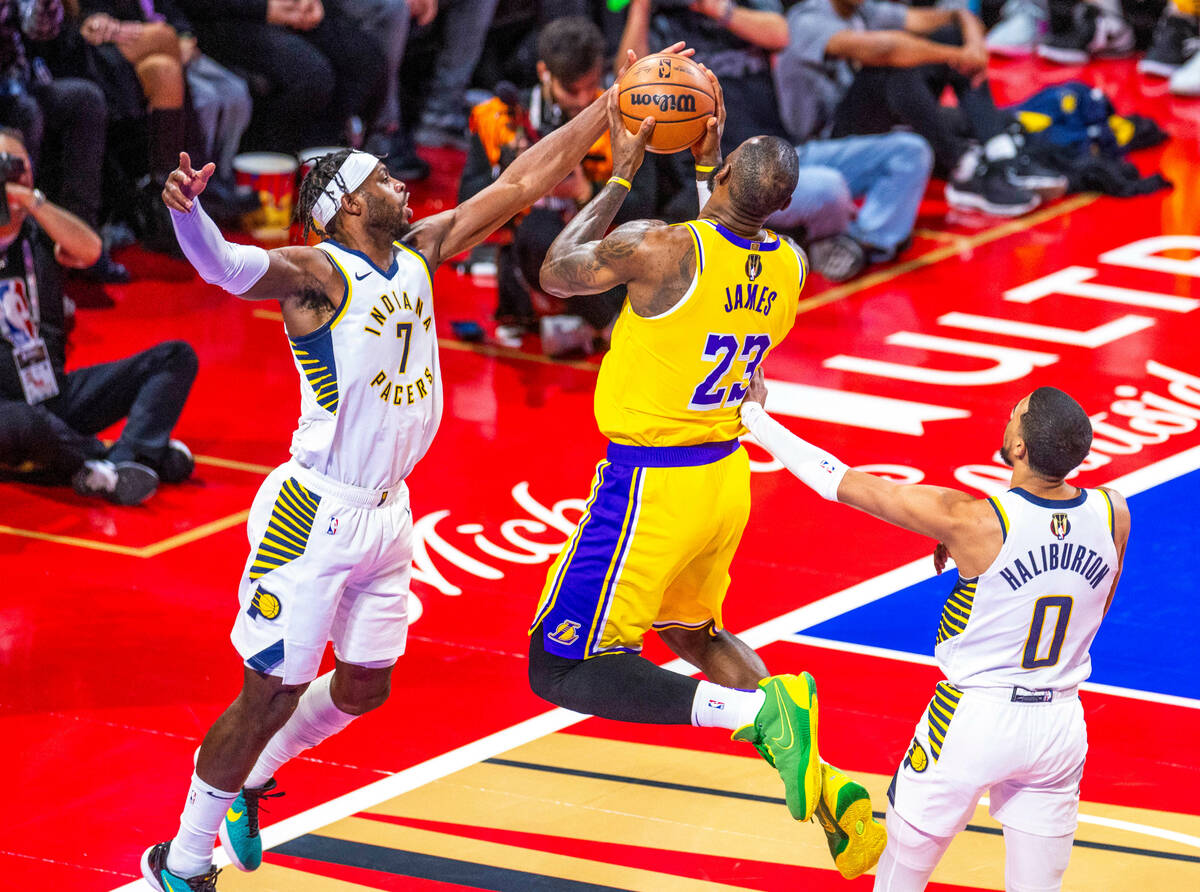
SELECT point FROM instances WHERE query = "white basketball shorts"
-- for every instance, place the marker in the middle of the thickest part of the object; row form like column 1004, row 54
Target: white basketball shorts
column 1027, row 756
column 328, row 562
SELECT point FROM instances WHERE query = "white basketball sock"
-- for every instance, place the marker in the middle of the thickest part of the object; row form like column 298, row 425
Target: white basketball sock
column 192, row 848
column 316, row 718
column 718, row 707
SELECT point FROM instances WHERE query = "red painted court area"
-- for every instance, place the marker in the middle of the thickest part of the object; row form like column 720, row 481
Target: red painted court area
column 114, row 651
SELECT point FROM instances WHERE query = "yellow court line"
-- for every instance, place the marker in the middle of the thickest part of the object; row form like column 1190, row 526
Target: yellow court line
column 200, row 532
column 946, row 251
column 154, row 548
column 482, row 349
column 72, row 540
column 938, row 235
column 218, row 462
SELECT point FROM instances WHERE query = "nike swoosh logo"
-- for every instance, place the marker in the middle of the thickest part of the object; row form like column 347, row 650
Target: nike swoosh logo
column 233, row 816
column 784, row 740
column 360, row 278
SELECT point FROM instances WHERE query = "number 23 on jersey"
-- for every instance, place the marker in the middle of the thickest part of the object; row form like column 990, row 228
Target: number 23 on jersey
column 722, row 350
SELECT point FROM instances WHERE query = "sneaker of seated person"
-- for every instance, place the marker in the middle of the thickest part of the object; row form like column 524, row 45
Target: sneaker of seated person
column 177, row 463
column 1022, row 23
column 838, row 257
column 1176, row 39
column 226, row 202
column 1026, row 171
column 980, row 183
column 1093, row 33
column 122, row 483
column 105, row 271
column 1186, row 81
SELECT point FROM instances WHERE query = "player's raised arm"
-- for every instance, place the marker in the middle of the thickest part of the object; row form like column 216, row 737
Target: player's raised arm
column 532, row 175
column 581, row 260
column 247, row 271
column 949, row 515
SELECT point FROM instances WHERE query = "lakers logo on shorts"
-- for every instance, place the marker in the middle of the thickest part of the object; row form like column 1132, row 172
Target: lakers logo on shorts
column 263, row 604
column 566, row 633
column 1060, row 525
column 916, row 757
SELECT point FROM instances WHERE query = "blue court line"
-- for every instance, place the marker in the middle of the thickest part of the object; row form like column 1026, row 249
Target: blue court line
column 1150, row 639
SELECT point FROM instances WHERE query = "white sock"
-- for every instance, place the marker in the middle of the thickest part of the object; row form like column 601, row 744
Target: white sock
column 966, row 165
column 718, row 707
column 316, row 718
column 1000, row 147
column 192, row 848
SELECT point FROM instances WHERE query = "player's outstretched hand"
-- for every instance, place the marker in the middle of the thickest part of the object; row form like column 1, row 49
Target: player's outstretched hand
column 184, row 184
column 940, row 557
column 707, row 149
column 628, row 148
column 679, row 48
column 757, row 393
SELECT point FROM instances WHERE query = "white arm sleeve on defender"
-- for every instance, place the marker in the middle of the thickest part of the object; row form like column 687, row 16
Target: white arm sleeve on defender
column 233, row 267
column 702, row 192
column 815, row 467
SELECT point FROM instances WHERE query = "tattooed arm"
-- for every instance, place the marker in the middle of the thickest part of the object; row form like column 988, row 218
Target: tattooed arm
column 580, row 260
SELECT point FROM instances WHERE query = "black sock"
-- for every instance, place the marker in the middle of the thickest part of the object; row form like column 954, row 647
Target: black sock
column 621, row 686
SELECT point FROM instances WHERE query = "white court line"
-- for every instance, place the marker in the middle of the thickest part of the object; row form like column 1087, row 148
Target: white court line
column 557, row 719
column 926, row 660
column 1131, row 827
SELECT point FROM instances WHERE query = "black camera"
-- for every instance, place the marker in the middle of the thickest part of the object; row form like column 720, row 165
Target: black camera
column 12, row 168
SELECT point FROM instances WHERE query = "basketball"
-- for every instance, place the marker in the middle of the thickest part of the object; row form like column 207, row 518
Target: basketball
column 675, row 92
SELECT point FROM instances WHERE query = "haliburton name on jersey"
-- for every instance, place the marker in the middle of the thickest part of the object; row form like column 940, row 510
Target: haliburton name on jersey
column 1056, row 556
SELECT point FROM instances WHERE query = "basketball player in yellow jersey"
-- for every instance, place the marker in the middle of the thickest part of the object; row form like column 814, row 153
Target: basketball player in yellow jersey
column 707, row 302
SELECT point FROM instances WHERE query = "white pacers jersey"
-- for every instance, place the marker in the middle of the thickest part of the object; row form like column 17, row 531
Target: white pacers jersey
column 1029, row 620
column 370, row 383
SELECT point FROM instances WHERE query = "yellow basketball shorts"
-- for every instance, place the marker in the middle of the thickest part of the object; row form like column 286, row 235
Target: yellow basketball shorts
column 652, row 549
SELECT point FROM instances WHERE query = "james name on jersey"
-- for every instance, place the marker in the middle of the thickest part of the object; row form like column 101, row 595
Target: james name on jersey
column 419, row 385
column 753, row 296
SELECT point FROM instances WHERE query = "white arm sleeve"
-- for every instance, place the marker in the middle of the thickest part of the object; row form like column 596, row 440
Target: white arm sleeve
column 702, row 192
column 815, row 467
column 233, row 267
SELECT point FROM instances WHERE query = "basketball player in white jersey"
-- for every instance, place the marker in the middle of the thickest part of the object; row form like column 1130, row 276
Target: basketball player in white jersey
column 331, row 530
column 1037, row 568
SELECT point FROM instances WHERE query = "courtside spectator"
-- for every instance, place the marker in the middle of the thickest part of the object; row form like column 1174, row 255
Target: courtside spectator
column 463, row 25
column 570, row 67
column 864, row 66
column 49, row 417
column 391, row 21
column 63, row 120
column 310, row 67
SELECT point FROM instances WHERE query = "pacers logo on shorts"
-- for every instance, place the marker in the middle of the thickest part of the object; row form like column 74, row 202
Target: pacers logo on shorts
column 263, row 604
column 566, row 633
column 916, row 757
column 1060, row 525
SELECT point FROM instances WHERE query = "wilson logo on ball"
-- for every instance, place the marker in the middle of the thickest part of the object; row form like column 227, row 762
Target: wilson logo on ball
column 664, row 102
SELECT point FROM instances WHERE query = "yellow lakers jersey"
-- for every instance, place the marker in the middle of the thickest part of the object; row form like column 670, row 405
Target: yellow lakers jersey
column 677, row 379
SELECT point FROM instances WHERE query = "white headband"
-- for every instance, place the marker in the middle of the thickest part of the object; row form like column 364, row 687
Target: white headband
column 354, row 170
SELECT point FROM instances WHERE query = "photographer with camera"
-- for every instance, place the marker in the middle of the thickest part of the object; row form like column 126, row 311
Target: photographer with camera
column 66, row 116
column 571, row 57
column 49, row 417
